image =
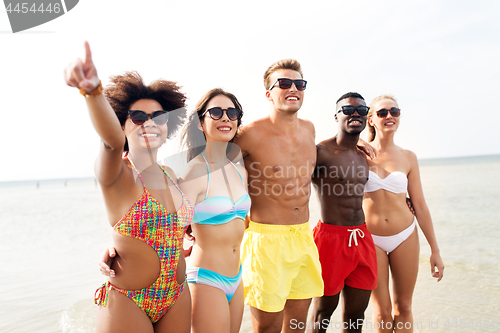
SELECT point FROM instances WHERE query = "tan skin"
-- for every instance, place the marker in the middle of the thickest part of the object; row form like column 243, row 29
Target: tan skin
column 289, row 146
column 339, row 181
column 289, row 143
column 138, row 264
column 287, row 162
column 216, row 247
column 384, row 220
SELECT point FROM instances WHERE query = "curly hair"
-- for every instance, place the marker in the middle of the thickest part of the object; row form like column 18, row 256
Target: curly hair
column 127, row 88
column 192, row 138
column 371, row 129
column 281, row 64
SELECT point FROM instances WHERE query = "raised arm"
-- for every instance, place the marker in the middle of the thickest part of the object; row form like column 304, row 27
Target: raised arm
column 82, row 74
column 424, row 216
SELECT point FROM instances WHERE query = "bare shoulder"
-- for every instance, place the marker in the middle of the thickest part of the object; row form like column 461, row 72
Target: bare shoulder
column 252, row 129
column 328, row 144
column 409, row 158
column 324, row 149
column 234, row 153
column 170, row 173
column 251, row 134
column 236, row 157
column 195, row 168
column 193, row 180
column 307, row 125
column 241, row 169
column 409, row 155
column 321, row 152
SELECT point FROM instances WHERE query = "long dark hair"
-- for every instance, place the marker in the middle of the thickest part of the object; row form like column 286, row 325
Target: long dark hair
column 192, row 137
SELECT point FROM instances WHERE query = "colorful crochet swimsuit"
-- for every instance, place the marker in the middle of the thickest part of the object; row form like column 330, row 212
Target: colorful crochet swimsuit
column 150, row 222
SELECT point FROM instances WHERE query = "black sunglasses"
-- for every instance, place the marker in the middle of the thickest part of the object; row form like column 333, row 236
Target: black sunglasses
column 140, row 117
column 349, row 110
column 287, row 83
column 395, row 112
column 216, row 113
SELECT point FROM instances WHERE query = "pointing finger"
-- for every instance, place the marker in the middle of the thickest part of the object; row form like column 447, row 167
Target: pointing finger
column 88, row 53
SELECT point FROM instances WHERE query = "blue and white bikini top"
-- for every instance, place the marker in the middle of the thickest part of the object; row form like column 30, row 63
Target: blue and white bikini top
column 395, row 182
column 220, row 209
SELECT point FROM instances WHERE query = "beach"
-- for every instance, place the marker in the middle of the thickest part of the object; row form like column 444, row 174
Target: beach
column 53, row 234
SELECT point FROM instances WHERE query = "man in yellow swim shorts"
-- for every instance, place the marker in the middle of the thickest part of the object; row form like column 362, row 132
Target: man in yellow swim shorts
column 281, row 269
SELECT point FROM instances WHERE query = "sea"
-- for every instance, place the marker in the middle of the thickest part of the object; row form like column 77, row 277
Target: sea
column 54, row 231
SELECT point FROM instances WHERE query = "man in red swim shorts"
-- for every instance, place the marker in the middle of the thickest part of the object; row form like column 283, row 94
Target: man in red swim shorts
column 346, row 250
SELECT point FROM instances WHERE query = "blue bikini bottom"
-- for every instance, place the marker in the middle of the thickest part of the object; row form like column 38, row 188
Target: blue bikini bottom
column 204, row 276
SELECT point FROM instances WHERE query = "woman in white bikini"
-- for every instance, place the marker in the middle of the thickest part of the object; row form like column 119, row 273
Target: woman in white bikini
column 393, row 173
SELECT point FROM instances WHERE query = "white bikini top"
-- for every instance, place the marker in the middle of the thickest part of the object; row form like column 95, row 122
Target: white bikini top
column 395, row 182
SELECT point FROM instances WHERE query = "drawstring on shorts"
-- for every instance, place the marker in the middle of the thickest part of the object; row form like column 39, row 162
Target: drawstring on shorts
column 354, row 235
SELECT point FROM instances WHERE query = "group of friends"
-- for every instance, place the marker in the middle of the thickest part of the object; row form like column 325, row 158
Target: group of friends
column 244, row 201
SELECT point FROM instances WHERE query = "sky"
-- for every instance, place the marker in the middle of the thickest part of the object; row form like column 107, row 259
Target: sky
column 439, row 58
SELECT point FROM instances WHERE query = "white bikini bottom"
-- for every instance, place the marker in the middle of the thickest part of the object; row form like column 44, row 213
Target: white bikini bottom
column 390, row 243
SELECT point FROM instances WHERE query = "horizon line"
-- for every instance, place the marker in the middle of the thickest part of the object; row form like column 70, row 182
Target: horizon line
column 63, row 179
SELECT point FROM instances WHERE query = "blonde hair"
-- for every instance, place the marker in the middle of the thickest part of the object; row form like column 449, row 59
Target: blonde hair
column 371, row 112
column 281, row 64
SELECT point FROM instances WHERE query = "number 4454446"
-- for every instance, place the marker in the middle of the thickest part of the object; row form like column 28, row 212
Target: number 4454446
column 25, row 8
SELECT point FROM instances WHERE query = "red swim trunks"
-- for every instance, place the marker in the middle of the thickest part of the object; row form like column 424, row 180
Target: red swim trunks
column 347, row 256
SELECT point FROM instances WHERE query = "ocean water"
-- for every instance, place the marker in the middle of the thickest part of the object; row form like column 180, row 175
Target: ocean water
column 462, row 195
column 53, row 234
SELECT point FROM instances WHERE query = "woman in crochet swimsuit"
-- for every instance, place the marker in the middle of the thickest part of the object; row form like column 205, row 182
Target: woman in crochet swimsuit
column 218, row 187
column 148, row 212
column 393, row 173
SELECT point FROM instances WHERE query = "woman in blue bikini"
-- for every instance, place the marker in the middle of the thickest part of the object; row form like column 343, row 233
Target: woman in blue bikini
column 393, row 173
column 218, row 188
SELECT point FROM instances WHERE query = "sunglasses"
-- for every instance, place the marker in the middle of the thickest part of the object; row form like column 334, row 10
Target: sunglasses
column 216, row 113
column 349, row 110
column 287, row 83
column 395, row 112
column 140, row 117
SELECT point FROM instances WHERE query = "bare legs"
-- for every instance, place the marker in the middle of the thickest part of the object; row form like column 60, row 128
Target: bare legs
column 122, row 315
column 291, row 319
column 295, row 311
column 403, row 263
column 177, row 318
column 212, row 313
column 323, row 308
column 355, row 302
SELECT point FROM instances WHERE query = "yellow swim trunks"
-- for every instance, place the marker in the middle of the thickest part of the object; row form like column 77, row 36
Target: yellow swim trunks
column 280, row 262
